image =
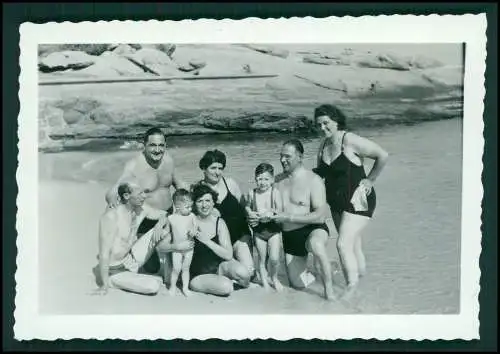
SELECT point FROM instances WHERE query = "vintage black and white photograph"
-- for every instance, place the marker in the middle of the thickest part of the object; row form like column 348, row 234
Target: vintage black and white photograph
column 208, row 174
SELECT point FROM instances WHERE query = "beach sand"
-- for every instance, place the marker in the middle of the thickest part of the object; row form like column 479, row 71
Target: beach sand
column 412, row 245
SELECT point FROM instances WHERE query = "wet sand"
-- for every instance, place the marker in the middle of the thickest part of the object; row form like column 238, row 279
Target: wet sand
column 412, row 245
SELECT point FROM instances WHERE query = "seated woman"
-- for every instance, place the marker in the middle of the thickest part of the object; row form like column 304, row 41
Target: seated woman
column 213, row 268
column 230, row 204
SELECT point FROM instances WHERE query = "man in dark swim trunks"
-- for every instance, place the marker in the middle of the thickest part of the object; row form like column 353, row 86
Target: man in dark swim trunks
column 303, row 220
column 153, row 169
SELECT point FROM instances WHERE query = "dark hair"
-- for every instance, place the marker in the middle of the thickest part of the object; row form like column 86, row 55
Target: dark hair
column 181, row 194
column 264, row 167
column 122, row 189
column 211, row 157
column 332, row 112
column 296, row 144
column 199, row 190
column 153, row 131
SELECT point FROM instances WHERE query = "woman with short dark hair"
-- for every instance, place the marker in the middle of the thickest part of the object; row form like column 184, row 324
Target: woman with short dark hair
column 350, row 192
column 213, row 268
column 230, row 204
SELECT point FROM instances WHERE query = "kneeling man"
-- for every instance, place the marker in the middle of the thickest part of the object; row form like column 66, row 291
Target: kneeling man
column 303, row 219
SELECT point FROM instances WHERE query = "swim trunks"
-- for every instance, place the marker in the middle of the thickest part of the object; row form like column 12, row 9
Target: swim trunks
column 153, row 264
column 294, row 241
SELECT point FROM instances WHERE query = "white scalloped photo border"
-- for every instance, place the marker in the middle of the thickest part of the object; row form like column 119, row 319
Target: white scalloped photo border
column 468, row 29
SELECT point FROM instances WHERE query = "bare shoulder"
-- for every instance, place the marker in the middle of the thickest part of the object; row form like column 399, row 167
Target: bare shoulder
column 132, row 164
column 352, row 139
column 108, row 217
column 232, row 184
column 168, row 159
column 279, row 178
column 313, row 178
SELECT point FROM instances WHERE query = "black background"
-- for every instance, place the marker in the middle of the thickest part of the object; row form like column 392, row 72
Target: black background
column 15, row 14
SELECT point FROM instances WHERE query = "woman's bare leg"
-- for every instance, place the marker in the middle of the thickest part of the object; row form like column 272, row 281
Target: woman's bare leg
column 360, row 256
column 136, row 283
column 236, row 271
column 212, row 284
column 242, row 253
column 350, row 228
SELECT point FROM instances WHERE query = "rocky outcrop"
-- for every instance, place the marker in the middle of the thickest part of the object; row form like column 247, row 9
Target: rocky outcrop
column 372, row 88
column 67, row 60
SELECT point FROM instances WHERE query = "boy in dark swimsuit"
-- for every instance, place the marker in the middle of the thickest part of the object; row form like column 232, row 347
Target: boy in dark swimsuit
column 263, row 202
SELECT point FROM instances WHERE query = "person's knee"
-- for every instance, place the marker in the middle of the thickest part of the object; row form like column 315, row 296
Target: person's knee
column 148, row 286
column 153, row 286
column 225, row 286
column 317, row 244
column 274, row 261
column 242, row 274
column 344, row 245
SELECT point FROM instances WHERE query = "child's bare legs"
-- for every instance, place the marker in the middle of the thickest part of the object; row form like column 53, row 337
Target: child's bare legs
column 186, row 263
column 262, row 253
column 176, row 269
column 273, row 244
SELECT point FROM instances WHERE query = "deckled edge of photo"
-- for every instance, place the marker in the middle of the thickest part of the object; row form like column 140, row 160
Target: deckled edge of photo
column 470, row 29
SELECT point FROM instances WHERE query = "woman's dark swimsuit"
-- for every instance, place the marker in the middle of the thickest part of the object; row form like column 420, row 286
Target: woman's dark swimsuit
column 152, row 265
column 342, row 177
column 233, row 213
column 264, row 230
column 204, row 260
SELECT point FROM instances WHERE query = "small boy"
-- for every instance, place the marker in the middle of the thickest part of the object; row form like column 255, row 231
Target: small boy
column 263, row 202
column 183, row 227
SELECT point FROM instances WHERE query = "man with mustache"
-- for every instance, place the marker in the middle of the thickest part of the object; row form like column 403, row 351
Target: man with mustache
column 154, row 171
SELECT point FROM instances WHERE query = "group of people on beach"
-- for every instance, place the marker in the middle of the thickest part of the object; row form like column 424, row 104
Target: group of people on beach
column 205, row 234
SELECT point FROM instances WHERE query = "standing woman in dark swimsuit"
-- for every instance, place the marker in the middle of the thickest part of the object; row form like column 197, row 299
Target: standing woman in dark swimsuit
column 213, row 268
column 229, row 204
column 340, row 164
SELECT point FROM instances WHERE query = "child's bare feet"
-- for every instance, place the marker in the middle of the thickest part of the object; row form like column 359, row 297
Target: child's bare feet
column 277, row 284
column 264, row 282
column 350, row 291
column 187, row 292
column 172, row 290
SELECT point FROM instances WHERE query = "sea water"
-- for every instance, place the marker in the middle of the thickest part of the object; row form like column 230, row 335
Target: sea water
column 412, row 245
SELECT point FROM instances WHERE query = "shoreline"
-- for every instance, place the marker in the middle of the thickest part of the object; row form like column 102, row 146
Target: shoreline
column 117, row 143
column 412, row 244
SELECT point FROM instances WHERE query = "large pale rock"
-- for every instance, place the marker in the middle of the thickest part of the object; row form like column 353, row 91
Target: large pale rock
column 155, row 61
column 421, row 62
column 59, row 61
column 167, row 48
column 92, row 49
column 370, row 96
column 444, row 77
column 383, row 61
column 110, row 64
column 269, row 50
column 123, row 49
column 76, row 109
